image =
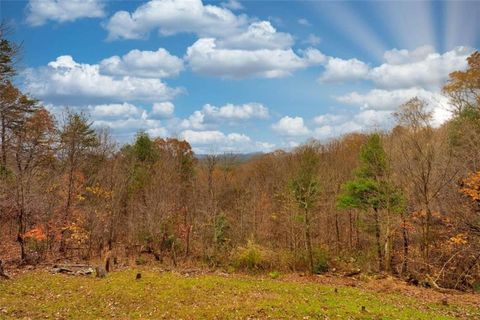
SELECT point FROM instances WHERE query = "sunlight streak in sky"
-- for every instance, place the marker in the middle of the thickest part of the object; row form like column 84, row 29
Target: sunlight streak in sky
column 410, row 23
column 353, row 27
column 462, row 19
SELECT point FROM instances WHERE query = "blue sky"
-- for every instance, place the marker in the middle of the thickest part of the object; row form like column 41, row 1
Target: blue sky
column 241, row 76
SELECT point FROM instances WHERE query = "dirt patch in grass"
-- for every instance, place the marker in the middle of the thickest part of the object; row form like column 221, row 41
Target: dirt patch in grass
column 390, row 285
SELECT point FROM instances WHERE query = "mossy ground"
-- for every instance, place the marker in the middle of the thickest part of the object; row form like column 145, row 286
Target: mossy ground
column 169, row 295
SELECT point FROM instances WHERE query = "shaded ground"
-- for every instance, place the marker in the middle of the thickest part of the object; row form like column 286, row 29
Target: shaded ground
column 170, row 295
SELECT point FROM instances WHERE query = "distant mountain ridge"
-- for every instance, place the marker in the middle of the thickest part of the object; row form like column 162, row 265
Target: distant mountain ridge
column 241, row 157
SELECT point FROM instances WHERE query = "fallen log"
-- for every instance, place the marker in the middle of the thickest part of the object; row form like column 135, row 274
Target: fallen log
column 352, row 273
column 73, row 269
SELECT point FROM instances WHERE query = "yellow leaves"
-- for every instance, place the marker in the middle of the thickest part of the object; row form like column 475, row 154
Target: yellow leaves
column 99, row 192
column 77, row 233
column 459, row 239
column 471, row 186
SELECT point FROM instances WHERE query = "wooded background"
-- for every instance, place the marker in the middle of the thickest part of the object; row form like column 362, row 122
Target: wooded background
column 404, row 201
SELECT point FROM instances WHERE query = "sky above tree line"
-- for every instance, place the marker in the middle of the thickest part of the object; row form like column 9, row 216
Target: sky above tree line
column 240, row 76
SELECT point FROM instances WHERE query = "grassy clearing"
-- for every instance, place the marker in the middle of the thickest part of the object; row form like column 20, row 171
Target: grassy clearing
column 40, row 295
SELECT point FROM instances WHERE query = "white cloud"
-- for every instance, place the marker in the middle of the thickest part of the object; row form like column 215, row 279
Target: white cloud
column 339, row 70
column 144, row 64
column 67, row 81
column 379, row 99
column 127, row 127
column 421, row 67
column 40, row 11
column 332, row 125
column 124, row 119
column 304, row 22
column 205, row 57
column 385, row 100
column 328, row 119
column 115, row 110
column 312, row 40
column 264, row 146
column 373, row 118
column 236, row 112
column 259, row 35
column 174, row 16
column 404, row 56
column 312, row 56
column 290, row 126
column 213, row 137
column 158, row 132
column 194, row 121
column 232, row 5
column 210, row 114
column 214, row 141
column 163, row 109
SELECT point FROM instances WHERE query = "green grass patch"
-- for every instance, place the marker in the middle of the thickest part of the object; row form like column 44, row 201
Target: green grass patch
column 41, row 295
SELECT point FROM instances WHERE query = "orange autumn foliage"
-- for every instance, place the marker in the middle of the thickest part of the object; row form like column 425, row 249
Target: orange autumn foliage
column 36, row 233
column 471, row 186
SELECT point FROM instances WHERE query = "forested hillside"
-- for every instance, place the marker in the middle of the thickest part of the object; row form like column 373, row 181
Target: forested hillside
column 404, row 201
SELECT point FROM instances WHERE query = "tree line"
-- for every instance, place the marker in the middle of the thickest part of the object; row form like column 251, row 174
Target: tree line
column 404, row 201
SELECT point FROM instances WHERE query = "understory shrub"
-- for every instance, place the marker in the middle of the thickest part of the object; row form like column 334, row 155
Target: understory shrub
column 253, row 257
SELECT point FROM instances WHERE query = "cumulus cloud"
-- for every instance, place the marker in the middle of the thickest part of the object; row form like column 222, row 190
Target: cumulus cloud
column 194, row 121
column 421, row 67
column 390, row 100
column 404, row 56
column 163, row 109
column 214, row 141
column 116, row 111
column 404, row 75
column 232, row 5
column 312, row 40
column 125, row 128
column 259, row 35
column 380, row 99
column 328, row 119
column 212, row 137
column 206, row 58
column 236, row 112
column 66, row 81
column 40, row 11
column 210, row 114
column 144, row 64
column 340, row 70
column 229, row 46
column 123, row 119
column 332, row 125
column 291, row 126
column 174, row 16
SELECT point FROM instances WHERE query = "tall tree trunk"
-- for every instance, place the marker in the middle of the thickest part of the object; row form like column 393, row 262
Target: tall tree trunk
column 308, row 240
column 377, row 237
column 405, row 245
column 337, row 232
column 350, row 230
column 3, row 167
column 70, row 190
column 427, row 236
column 21, row 220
